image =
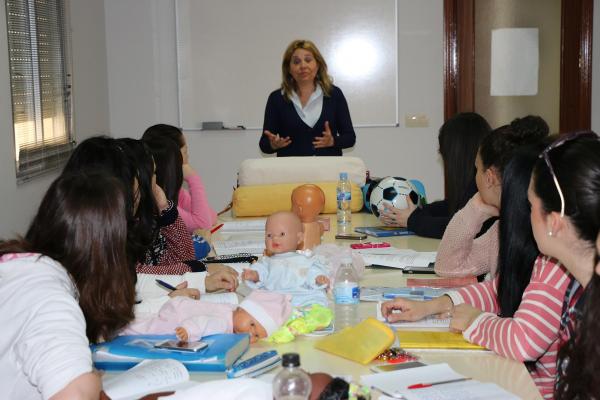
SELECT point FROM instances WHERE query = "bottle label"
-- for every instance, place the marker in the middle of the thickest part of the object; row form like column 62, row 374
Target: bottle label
column 344, row 196
column 347, row 293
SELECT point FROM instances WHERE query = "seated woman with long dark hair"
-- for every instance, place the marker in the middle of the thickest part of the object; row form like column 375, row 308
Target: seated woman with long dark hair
column 63, row 285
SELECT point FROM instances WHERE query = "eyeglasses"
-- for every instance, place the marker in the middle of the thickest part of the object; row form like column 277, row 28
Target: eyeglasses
column 557, row 143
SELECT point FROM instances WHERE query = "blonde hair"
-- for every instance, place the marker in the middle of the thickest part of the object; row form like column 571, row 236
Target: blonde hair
column 288, row 84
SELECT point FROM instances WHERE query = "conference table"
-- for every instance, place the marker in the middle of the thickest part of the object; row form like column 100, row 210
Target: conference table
column 483, row 366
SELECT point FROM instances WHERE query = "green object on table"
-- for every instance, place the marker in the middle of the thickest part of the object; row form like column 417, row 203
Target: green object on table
column 304, row 320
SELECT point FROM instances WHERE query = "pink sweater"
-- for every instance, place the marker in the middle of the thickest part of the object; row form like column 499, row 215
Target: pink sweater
column 199, row 318
column 532, row 333
column 193, row 205
column 460, row 253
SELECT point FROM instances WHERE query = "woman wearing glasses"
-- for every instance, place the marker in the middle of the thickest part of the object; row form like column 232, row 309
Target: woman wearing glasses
column 468, row 247
column 565, row 215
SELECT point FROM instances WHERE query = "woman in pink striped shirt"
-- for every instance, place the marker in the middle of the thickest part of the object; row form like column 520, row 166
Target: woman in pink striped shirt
column 517, row 315
column 192, row 203
column 565, row 215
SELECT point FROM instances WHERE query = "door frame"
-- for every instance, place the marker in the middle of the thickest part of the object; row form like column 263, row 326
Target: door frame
column 575, row 61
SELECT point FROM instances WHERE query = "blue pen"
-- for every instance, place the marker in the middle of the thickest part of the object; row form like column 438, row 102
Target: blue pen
column 165, row 285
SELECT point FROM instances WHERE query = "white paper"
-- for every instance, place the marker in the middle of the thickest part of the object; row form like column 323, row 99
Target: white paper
column 427, row 322
column 252, row 246
column 149, row 376
column 396, row 383
column 515, row 62
column 468, row 390
column 254, row 225
column 401, row 260
column 220, row 298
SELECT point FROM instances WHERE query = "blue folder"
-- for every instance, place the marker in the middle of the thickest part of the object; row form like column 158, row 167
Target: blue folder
column 127, row 351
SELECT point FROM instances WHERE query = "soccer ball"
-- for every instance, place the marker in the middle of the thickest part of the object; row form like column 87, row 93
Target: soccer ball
column 393, row 191
column 367, row 189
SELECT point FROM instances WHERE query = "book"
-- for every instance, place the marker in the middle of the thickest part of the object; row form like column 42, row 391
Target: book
column 149, row 376
column 434, row 340
column 127, row 351
column 383, row 231
column 436, row 381
column 441, row 282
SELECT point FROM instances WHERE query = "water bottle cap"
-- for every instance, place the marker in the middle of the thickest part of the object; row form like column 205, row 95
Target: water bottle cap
column 343, row 175
column 290, row 360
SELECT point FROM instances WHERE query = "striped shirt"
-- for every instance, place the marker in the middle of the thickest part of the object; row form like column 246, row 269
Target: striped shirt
column 532, row 334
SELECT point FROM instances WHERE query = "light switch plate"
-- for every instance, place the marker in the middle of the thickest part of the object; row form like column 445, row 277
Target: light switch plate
column 416, row 121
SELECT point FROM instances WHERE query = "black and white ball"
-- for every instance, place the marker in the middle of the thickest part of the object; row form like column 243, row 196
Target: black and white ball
column 392, row 191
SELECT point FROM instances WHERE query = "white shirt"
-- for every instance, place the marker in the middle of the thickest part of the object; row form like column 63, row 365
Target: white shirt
column 311, row 112
column 43, row 345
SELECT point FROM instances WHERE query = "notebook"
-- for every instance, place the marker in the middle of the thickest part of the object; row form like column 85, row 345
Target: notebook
column 149, row 376
column 434, row 340
column 428, row 322
column 127, row 351
column 383, row 231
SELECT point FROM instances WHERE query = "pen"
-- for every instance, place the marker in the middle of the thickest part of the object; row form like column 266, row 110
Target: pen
column 216, row 228
column 426, row 385
column 165, row 285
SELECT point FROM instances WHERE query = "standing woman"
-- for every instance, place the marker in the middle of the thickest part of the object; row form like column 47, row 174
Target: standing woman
column 192, row 202
column 308, row 116
column 67, row 283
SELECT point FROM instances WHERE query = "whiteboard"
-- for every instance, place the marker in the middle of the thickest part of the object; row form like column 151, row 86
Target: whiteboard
column 229, row 56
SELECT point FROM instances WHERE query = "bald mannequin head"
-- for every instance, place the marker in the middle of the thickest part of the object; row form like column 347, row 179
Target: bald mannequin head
column 308, row 202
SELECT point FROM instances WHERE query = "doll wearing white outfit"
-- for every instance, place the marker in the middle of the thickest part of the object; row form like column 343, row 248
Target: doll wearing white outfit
column 283, row 269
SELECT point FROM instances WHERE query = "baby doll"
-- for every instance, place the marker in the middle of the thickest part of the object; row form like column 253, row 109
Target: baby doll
column 283, row 269
column 308, row 202
column 260, row 314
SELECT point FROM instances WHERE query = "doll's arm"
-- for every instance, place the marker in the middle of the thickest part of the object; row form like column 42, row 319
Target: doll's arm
column 318, row 275
column 195, row 328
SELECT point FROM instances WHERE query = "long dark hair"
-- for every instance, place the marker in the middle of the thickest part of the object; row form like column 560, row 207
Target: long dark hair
column 120, row 159
column 169, row 162
column 496, row 149
column 459, row 139
column 581, row 379
column 81, row 224
column 517, row 250
column 164, row 130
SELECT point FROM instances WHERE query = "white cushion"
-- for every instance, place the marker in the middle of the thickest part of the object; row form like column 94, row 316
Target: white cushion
column 272, row 170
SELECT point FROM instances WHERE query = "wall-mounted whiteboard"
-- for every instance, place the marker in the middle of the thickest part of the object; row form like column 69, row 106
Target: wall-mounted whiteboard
column 229, row 56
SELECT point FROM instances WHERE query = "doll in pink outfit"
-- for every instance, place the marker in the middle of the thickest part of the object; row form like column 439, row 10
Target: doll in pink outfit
column 260, row 314
column 192, row 202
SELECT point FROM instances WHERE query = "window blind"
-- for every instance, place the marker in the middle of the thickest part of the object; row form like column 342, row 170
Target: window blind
column 40, row 77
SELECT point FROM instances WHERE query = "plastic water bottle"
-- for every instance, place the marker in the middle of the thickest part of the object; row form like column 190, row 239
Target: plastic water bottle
column 291, row 383
column 344, row 195
column 346, row 295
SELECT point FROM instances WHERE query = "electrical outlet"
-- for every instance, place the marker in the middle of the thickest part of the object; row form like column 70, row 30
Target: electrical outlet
column 416, row 121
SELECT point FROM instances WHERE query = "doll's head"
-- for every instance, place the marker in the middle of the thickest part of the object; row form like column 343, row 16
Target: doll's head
column 261, row 313
column 308, row 202
column 283, row 232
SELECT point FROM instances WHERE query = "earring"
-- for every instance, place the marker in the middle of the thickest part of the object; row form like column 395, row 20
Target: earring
column 549, row 233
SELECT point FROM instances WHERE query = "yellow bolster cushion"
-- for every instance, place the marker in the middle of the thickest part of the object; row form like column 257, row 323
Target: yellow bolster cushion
column 262, row 200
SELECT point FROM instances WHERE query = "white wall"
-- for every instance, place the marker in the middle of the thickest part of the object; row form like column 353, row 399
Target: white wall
column 142, row 79
column 90, row 106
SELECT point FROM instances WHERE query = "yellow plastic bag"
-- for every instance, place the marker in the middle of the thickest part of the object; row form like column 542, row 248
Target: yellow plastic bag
column 361, row 343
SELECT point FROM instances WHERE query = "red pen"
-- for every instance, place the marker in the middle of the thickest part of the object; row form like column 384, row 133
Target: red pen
column 216, row 228
column 426, row 385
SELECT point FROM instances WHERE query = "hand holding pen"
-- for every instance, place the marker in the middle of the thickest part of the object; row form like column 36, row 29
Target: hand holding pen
column 179, row 290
